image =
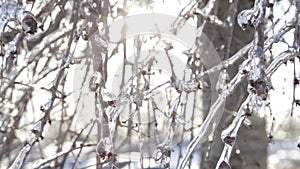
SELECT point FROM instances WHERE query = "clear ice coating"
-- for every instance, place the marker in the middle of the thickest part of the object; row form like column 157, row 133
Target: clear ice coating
column 229, row 135
column 250, row 17
column 10, row 11
column 37, row 128
column 224, row 165
column 245, row 18
column 108, row 95
column 104, row 147
column 87, row 11
column 189, row 86
column 46, row 107
column 173, row 107
column 259, row 83
column 95, row 81
column 222, row 81
column 101, row 41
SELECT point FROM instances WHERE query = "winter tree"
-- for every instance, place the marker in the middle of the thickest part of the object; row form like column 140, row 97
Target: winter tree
column 149, row 84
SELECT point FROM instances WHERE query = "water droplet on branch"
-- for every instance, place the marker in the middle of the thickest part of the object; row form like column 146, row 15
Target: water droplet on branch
column 223, row 81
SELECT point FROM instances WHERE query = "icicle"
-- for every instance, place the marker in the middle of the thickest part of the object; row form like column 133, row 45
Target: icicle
column 164, row 148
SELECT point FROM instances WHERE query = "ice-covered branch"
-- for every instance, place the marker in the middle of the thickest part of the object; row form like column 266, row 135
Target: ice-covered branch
column 230, row 133
column 252, row 17
column 216, row 110
column 296, row 46
column 10, row 11
column 164, row 149
column 259, row 86
column 38, row 128
column 212, row 18
column 255, row 65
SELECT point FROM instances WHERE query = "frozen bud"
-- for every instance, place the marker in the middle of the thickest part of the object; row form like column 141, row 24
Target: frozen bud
column 229, row 140
column 173, row 108
column 223, row 81
column 270, row 3
column 244, row 18
column 46, row 107
column 29, row 24
column 95, row 81
column 37, row 128
column 87, row 11
column 248, row 17
column 260, row 84
column 168, row 46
